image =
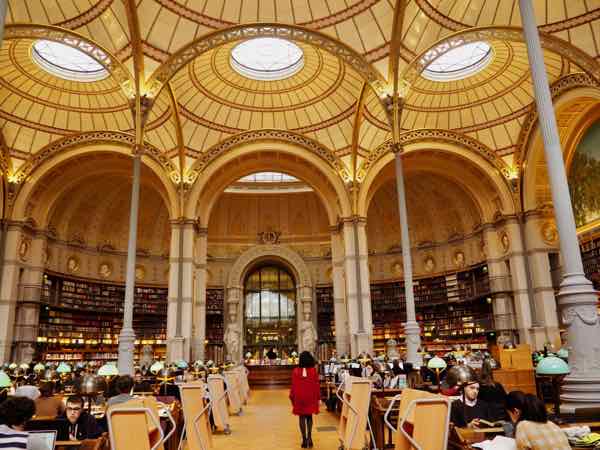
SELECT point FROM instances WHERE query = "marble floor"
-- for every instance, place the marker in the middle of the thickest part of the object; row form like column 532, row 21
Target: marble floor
column 267, row 423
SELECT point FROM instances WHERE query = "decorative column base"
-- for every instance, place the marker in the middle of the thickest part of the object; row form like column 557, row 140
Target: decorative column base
column 126, row 351
column 412, row 331
column 176, row 349
column 578, row 302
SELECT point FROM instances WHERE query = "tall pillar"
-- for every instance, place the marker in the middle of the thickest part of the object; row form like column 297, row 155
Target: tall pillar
column 358, row 290
column 12, row 272
column 500, row 287
column 541, row 277
column 577, row 298
column 520, row 282
column 28, row 305
column 127, row 334
column 200, row 264
column 181, row 285
column 411, row 327
column 342, row 339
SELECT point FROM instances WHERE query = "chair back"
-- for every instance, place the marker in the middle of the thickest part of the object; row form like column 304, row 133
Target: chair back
column 233, row 391
column 216, row 387
column 133, row 426
column 195, row 413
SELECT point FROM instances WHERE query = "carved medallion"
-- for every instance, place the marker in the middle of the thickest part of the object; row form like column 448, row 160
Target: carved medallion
column 459, row 259
column 397, row 268
column 505, row 242
column 73, row 264
column 269, row 237
column 24, row 247
column 105, row 270
column 140, row 272
column 549, row 232
column 429, row 264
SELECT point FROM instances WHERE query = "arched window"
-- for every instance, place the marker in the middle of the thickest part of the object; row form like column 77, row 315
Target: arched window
column 270, row 312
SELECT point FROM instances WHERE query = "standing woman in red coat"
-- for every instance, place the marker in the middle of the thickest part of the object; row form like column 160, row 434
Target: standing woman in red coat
column 305, row 395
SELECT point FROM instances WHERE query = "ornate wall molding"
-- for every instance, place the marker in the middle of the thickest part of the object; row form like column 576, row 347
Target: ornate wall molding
column 443, row 136
column 268, row 135
column 293, row 32
column 73, row 39
column 282, row 252
column 90, row 138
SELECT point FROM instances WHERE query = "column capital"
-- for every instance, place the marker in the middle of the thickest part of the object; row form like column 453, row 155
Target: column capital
column 397, row 148
column 351, row 220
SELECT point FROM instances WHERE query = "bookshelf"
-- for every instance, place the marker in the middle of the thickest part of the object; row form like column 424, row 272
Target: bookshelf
column 325, row 322
column 215, row 298
column 81, row 319
column 452, row 309
column 590, row 254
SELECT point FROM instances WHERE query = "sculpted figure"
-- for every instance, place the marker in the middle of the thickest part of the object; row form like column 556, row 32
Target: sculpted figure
column 232, row 342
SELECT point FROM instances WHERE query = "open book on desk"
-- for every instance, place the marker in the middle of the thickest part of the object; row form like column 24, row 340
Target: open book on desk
column 498, row 443
column 487, row 423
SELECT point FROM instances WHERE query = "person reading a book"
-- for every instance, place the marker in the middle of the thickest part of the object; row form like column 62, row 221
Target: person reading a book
column 469, row 410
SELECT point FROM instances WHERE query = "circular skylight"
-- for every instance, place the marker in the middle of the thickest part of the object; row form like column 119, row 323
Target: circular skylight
column 267, row 58
column 457, row 63
column 68, row 62
column 268, row 177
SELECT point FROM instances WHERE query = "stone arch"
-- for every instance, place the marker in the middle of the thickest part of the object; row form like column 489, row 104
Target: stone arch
column 492, row 169
column 29, row 184
column 575, row 110
column 286, row 156
column 248, row 260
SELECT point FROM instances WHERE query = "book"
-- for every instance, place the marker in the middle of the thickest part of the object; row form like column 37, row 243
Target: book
column 489, row 424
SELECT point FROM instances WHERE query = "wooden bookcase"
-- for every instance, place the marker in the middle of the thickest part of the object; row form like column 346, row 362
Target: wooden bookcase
column 590, row 254
column 215, row 301
column 452, row 309
column 325, row 322
column 81, row 319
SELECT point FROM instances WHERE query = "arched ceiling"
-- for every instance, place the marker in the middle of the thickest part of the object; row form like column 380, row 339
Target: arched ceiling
column 206, row 101
column 86, row 199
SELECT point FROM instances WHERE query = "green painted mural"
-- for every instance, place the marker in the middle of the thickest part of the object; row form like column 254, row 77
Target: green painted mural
column 584, row 177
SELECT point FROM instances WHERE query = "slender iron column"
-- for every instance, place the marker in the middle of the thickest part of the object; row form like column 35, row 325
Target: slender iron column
column 127, row 335
column 3, row 7
column 411, row 327
column 576, row 296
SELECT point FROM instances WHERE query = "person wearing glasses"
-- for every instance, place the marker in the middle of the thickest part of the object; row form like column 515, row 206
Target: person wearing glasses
column 82, row 425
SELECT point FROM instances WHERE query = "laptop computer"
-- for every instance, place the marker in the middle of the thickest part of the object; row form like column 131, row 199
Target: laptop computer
column 41, row 440
column 61, row 426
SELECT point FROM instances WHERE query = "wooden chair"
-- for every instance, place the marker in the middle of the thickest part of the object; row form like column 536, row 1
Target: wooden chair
column 197, row 426
column 354, row 418
column 429, row 415
column 233, row 392
column 216, row 388
column 133, row 426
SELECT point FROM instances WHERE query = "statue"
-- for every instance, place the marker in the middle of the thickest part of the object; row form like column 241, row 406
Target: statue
column 147, row 356
column 392, row 349
column 27, row 353
column 309, row 337
column 232, row 342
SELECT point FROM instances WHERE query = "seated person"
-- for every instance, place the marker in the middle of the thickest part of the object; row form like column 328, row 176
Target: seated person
column 82, row 425
column 466, row 411
column 47, row 405
column 14, row 412
column 395, row 381
column 492, row 392
column 124, row 385
column 139, row 384
column 533, row 429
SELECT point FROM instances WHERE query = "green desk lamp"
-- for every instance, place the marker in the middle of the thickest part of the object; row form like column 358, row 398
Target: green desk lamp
column 555, row 368
column 437, row 364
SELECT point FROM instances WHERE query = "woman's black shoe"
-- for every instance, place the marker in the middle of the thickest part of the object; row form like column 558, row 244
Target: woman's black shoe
column 309, row 443
column 304, row 443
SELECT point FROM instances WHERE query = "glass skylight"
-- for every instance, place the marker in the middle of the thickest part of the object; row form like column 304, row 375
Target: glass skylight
column 267, row 58
column 68, row 62
column 268, row 177
column 457, row 63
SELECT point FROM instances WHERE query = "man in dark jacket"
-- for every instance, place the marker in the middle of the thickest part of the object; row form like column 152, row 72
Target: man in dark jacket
column 469, row 409
column 82, row 425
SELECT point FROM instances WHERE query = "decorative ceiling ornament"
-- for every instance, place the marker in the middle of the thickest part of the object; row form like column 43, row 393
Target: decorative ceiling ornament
column 24, row 247
column 105, row 269
column 549, row 232
column 429, row 264
column 73, row 264
column 269, row 237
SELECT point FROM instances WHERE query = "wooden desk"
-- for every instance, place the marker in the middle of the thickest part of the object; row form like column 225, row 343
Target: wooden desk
column 275, row 376
column 67, row 444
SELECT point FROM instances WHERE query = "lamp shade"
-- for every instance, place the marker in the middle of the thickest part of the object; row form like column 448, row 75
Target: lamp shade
column 4, row 380
column 108, row 370
column 563, row 353
column 436, row 363
column 63, row 367
column 156, row 367
column 552, row 365
column 181, row 364
column 39, row 367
